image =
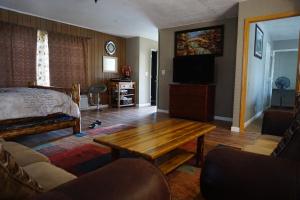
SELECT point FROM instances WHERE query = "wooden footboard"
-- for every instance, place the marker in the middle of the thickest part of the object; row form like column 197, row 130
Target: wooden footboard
column 74, row 92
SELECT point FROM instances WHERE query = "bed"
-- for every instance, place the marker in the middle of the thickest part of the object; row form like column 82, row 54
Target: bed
column 45, row 109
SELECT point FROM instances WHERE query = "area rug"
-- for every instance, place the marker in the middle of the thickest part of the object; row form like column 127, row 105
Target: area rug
column 184, row 183
column 82, row 159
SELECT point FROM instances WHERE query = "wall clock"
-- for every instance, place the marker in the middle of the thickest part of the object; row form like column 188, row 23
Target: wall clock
column 110, row 48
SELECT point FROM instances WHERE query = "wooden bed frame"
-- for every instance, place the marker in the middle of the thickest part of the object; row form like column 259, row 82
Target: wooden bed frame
column 74, row 92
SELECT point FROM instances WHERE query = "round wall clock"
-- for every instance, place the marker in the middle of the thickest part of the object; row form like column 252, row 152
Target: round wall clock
column 110, row 48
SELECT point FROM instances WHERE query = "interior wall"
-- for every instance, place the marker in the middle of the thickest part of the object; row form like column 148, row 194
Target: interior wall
column 96, row 44
column 285, row 65
column 138, row 53
column 225, row 66
column 256, row 75
column 253, row 8
column 133, row 59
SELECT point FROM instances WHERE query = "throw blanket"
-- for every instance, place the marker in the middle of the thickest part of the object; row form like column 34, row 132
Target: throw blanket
column 31, row 102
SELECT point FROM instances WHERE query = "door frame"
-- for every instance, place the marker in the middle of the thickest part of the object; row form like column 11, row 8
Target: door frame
column 246, row 34
column 298, row 73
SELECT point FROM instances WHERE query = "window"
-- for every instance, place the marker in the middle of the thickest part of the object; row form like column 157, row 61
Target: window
column 42, row 59
column 110, row 64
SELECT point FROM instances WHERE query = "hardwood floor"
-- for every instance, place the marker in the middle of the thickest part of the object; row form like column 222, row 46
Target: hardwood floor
column 139, row 116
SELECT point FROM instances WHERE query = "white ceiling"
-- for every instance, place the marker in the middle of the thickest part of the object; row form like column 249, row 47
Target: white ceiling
column 127, row 18
column 283, row 29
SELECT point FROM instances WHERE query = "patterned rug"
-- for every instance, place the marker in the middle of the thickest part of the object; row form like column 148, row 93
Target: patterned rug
column 80, row 155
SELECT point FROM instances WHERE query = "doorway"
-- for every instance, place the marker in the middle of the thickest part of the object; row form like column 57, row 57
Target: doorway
column 153, row 77
column 259, row 90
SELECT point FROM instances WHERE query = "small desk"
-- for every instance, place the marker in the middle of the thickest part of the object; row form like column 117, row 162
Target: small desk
column 153, row 141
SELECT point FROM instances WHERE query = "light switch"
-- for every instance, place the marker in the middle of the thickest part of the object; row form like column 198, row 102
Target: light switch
column 146, row 74
column 163, row 72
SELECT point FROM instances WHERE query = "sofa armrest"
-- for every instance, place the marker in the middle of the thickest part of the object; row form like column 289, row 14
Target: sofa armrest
column 233, row 174
column 276, row 122
column 126, row 179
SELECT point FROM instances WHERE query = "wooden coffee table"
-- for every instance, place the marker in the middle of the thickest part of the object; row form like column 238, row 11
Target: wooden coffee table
column 153, row 141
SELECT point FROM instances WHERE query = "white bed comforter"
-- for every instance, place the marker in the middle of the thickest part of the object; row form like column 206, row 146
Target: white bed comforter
column 30, row 102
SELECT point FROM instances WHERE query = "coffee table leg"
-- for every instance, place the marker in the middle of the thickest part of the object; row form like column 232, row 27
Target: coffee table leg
column 115, row 154
column 200, row 152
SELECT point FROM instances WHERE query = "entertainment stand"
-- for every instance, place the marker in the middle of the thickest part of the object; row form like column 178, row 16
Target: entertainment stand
column 192, row 101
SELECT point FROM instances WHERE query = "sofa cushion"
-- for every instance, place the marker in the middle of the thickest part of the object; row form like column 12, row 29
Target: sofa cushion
column 289, row 146
column 13, row 147
column 24, row 155
column 47, row 175
column 15, row 183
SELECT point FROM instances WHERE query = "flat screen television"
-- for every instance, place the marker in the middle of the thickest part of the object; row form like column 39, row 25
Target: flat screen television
column 194, row 69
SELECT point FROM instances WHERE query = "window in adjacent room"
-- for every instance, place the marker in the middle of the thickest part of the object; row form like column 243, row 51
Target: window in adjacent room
column 42, row 59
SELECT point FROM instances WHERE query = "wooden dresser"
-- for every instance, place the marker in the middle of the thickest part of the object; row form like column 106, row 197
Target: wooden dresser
column 192, row 101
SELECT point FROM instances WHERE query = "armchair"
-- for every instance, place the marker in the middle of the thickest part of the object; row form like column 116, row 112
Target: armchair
column 236, row 175
column 268, row 169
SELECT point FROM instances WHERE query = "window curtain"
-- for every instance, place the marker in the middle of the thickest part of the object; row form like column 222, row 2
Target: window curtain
column 5, row 55
column 18, row 55
column 67, row 60
column 42, row 59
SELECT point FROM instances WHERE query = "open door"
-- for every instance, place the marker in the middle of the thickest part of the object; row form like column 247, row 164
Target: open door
column 297, row 101
column 153, row 78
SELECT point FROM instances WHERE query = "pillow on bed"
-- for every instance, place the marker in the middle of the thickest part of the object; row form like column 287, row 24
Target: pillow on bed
column 15, row 183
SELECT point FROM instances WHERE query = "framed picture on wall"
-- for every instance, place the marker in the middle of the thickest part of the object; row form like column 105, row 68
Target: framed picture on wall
column 259, row 42
column 209, row 40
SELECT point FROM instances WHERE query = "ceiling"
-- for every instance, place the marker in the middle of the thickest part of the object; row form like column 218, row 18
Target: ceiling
column 127, row 18
column 283, row 29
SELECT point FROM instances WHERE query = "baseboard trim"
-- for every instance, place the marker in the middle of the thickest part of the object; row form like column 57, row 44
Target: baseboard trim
column 226, row 119
column 143, row 105
column 235, row 129
column 253, row 118
column 163, row 111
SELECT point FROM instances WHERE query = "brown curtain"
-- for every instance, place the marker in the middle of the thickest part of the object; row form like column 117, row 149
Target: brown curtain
column 18, row 55
column 5, row 55
column 67, row 60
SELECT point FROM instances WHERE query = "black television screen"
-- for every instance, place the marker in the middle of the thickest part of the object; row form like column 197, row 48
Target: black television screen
column 194, row 69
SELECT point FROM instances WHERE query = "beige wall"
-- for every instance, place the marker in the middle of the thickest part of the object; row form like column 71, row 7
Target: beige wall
column 132, row 58
column 225, row 66
column 252, row 8
column 138, row 55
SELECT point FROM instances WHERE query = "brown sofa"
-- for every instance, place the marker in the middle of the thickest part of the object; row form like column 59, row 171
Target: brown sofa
column 269, row 170
column 132, row 179
column 124, row 179
column 37, row 165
